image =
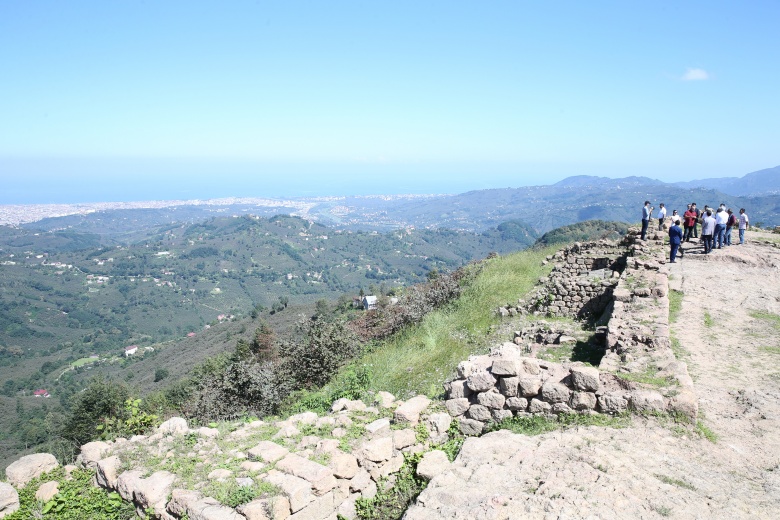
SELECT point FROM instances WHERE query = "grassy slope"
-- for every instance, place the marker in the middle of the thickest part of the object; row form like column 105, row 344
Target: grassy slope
column 420, row 358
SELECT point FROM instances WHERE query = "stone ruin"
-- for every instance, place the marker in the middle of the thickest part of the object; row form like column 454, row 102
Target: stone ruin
column 625, row 284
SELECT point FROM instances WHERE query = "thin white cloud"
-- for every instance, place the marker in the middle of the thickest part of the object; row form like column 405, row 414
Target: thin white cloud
column 696, row 75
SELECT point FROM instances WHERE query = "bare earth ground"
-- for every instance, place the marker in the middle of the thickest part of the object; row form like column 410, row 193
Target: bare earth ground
column 654, row 468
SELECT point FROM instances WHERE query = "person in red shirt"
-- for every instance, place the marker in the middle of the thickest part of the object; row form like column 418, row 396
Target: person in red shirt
column 690, row 218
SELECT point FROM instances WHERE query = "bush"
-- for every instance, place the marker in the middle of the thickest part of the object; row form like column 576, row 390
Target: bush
column 100, row 400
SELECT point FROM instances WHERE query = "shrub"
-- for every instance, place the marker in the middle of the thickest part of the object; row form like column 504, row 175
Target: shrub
column 100, row 400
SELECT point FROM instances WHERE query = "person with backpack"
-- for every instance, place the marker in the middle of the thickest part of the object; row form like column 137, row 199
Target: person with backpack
column 732, row 220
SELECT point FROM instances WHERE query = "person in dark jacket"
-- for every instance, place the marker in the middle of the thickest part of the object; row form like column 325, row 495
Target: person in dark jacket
column 675, row 239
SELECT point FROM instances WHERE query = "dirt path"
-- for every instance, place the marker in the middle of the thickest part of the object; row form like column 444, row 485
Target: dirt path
column 655, row 469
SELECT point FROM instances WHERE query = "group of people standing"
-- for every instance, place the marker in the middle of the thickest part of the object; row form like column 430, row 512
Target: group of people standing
column 716, row 226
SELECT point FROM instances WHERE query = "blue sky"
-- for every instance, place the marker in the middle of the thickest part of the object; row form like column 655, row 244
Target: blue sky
column 124, row 100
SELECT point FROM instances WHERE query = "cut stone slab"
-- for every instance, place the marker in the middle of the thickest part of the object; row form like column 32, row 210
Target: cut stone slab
column 509, row 386
column 529, row 386
column 433, row 463
column 612, row 403
column 274, row 508
column 9, row 499
column 647, row 401
column 297, row 490
column 481, row 381
column 492, row 400
column 173, row 426
column 378, row 427
column 319, row 509
column 318, row 476
column 378, row 450
column 504, row 367
column 411, row 409
column 553, row 392
column 343, row 465
column 92, row 452
column 457, row 389
column 585, row 379
column 106, row 472
column 29, row 467
column 47, row 490
column 268, row 451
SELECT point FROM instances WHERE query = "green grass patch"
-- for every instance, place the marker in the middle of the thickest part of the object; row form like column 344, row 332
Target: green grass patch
column 419, row 358
column 771, row 318
column 537, row 424
column 391, row 503
column 231, row 494
column 704, row 431
column 708, row 321
column 675, row 482
column 675, row 304
column 83, row 361
column 648, row 377
column 771, row 350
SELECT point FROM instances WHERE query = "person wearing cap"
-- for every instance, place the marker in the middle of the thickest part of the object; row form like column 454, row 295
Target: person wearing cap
column 647, row 212
column 675, row 239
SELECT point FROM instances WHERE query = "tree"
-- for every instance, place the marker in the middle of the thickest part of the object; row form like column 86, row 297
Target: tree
column 102, row 399
column 160, row 374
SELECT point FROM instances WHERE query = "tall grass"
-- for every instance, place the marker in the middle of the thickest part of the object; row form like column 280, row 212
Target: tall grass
column 418, row 359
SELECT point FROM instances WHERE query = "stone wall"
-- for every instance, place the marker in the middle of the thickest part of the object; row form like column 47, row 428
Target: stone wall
column 581, row 282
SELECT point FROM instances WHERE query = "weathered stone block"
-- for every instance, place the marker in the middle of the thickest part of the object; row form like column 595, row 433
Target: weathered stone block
column 509, row 386
column 481, row 381
column 268, row 451
column 537, row 406
column 582, row 401
column 9, row 499
column 479, row 412
column 529, row 386
column 405, row 438
column 646, row 401
column 378, row 450
column 433, row 463
column 504, row 367
column 29, row 467
column 585, row 379
column 517, row 403
column 500, row 415
column 470, row 426
column 554, row 392
column 492, row 400
column 411, row 409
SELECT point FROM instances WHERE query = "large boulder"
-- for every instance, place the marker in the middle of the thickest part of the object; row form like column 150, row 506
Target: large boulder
column 92, row 452
column 106, row 473
column 29, row 467
column 9, row 499
column 174, row 426
column 318, row 476
column 585, row 379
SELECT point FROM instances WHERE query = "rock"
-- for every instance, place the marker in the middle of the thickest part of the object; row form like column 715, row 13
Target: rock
column 537, row 406
column 360, row 481
column 456, row 407
column 685, row 403
column 47, row 490
column 582, row 401
column 252, row 466
column 273, row 508
column 92, row 452
column 585, row 379
column 529, row 386
column 29, row 467
column 325, row 421
column 481, row 381
column 439, row 423
column 558, row 408
column 501, row 415
column 378, row 427
column 152, row 493
column 378, row 450
column 9, row 499
column 339, row 404
column 308, row 418
column 297, row 490
column 457, row 389
column 343, row 465
column 173, row 426
column 470, row 426
column 504, row 367
column 411, row 409
column 553, row 392
column 245, row 482
column 642, row 292
column 433, row 463
column 220, row 474
column 479, row 412
column 646, row 401
column 369, row 491
column 343, row 420
column 128, row 482
column 403, row 438
column 319, row 509
column 531, row 366
column 197, row 507
column 286, row 431
column 612, row 403
column 492, row 400
column 209, row 433
column 318, row 476
column 621, row 295
column 106, row 472
column 517, row 403
column 268, row 451
column 509, row 386
column 347, row 508
column 384, row 399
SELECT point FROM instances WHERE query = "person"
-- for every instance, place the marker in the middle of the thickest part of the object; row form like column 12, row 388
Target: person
column 689, row 218
column 696, row 222
column 721, row 219
column 675, row 239
column 744, row 224
column 730, row 224
column 661, row 216
column 707, row 231
column 647, row 212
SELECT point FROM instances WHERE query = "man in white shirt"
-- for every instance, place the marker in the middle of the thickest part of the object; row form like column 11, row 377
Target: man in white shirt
column 661, row 216
column 744, row 223
column 707, row 230
column 721, row 218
